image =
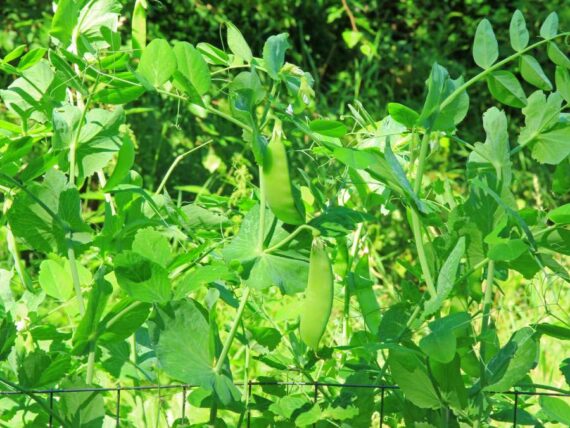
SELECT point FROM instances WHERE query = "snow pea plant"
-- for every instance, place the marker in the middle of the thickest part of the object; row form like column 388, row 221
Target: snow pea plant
column 108, row 282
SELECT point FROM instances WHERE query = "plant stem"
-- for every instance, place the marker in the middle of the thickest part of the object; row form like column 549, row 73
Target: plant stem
column 108, row 198
column 178, row 159
column 484, row 326
column 496, row 66
column 416, row 222
column 262, row 205
column 228, row 118
column 90, row 363
column 232, row 333
column 487, row 303
column 290, row 237
column 75, row 277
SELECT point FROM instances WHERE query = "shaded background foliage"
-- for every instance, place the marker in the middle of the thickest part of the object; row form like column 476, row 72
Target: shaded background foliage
column 398, row 43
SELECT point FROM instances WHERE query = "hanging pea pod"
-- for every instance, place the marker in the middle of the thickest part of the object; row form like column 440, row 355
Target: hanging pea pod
column 317, row 305
column 280, row 193
column 138, row 27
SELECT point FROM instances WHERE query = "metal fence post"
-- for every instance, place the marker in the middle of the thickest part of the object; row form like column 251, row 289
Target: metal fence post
column 118, row 408
column 382, row 406
column 51, row 409
column 516, row 409
column 183, row 401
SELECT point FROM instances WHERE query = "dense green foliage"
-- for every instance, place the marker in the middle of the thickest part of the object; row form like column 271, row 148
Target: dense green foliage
column 213, row 194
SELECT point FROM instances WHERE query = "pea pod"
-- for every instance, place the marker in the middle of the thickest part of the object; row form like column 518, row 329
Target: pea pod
column 279, row 190
column 317, row 305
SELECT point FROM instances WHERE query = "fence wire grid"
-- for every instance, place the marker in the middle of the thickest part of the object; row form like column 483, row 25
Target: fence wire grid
column 184, row 388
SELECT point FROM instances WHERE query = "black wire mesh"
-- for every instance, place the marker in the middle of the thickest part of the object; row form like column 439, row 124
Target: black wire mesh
column 184, row 388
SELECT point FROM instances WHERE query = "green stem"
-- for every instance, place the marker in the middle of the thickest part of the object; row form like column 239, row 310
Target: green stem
column 178, row 159
column 487, row 303
column 451, row 97
column 290, row 237
column 487, row 300
column 228, row 118
column 75, row 277
column 416, row 222
column 74, row 143
column 90, row 363
column 232, row 333
column 262, row 206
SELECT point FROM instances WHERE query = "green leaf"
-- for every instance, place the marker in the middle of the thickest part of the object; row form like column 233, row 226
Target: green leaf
column 43, row 217
column 450, row 382
column 440, row 86
column 55, row 281
column 363, row 288
column 328, row 128
column 158, row 62
column 552, row 147
column 8, row 334
column 29, row 94
column 65, row 123
column 14, row 53
column 485, row 47
column 557, row 409
column 446, row 278
column 549, row 27
column 125, row 161
column 153, row 246
column 40, row 368
column 560, row 215
column 532, row 72
column 287, row 268
column 97, row 301
column 285, row 406
column 513, row 361
column 506, row 249
column 505, row 87
column 552, row 330
column 181, row 337
column 141, row 278
column 200, row 277
column 71, row 78
column 410, row 374
column 124, row 318
column 562, row 79
column 558, row 57
column 237, row 43
column 441, row 343
column 310, row 417
column 119, row 94
column 64, row 21
column 544, row 127
column 81, row 409
column 495, row 152
column 213, row 55
column 518, row 32
column 403, row 114
column 31, row 58
column 274, row 54
column 565, row 370
column 192, row 66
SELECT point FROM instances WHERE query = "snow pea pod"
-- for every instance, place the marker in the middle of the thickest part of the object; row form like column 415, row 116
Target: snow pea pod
column 316, row 308
column 279, row 191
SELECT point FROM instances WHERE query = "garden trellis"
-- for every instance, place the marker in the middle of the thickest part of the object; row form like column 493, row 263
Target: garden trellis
column 50, row 395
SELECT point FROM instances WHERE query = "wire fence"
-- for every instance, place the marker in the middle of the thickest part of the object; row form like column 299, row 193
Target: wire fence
column 185, row 388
